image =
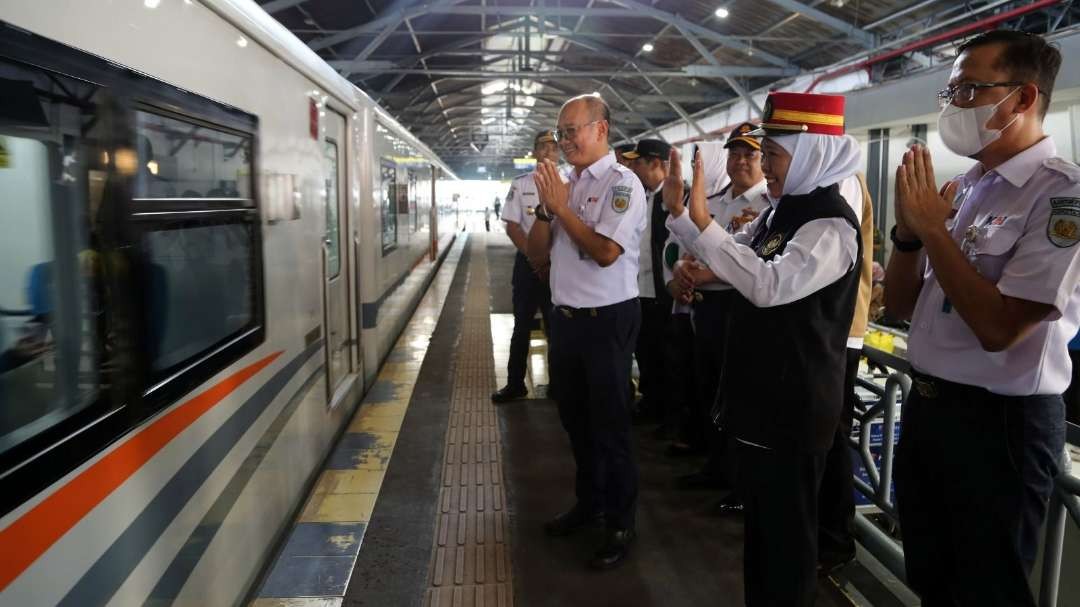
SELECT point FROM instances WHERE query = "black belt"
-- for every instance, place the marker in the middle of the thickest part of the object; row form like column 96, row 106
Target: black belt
column 711, row 296
column 929, row 386
column 570, row 312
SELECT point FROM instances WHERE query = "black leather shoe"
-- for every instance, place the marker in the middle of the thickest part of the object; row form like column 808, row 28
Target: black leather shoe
column 613, row 552
column 508, row 393
column 678, row 449
column 831, row 563
column 696, row 481
column 572, row 520
column 729, row 506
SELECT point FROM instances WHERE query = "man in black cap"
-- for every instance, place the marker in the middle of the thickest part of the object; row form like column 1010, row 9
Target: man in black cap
column 529, row 282
column 649, row 161
column 735, row 205
column 621, row 149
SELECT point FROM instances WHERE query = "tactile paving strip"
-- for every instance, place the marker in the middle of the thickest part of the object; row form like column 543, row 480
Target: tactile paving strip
column 471, row 557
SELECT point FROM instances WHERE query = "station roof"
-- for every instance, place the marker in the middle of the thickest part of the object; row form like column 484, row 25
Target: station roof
column 475, row 79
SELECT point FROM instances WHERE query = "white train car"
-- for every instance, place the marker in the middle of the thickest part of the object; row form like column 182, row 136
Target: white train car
column 202, row 238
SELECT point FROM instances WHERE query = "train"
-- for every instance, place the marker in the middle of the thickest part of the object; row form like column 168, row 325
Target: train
column 207, row 240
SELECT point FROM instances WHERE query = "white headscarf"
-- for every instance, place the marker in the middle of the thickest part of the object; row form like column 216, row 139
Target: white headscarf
column 714, row 156
column 818, row 160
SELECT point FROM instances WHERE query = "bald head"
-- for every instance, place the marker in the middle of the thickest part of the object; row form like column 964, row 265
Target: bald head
column 584, row 123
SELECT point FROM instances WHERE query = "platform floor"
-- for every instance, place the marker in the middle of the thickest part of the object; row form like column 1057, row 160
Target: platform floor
column 464, row 487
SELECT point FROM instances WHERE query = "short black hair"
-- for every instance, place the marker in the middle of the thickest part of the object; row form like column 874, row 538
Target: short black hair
column 1027, row 57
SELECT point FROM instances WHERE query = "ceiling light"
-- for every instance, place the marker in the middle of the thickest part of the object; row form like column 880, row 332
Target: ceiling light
column 241, row 42
column 151, row 3
column 723, row 12
column 647, row 47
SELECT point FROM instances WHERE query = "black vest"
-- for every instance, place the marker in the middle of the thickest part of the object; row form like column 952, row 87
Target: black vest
column 657, row 237
column 783, row 376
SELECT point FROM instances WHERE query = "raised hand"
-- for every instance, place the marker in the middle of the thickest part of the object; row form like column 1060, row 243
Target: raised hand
column 920, row 207
column 673, row 190
column 553, row 193
column 699, row 209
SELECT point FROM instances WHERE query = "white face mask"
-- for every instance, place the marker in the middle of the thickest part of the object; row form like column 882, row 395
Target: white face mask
column 964, row 131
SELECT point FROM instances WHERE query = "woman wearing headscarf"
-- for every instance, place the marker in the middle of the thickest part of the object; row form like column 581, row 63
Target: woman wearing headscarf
column 795, row 269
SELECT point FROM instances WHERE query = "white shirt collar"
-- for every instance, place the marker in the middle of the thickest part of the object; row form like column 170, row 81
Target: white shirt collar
column 757, row 189
column 1018, row 169
column 597, row 168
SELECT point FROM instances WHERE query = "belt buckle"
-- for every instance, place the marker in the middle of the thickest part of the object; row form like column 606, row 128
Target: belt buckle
column 925, row 388
column 566, row 312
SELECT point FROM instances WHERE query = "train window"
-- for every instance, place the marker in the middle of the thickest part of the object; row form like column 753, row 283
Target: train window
column 198, row 287
column 333, row 219
column 182, row 159
column 55, row 339
column 388, row 202
column 199, row 265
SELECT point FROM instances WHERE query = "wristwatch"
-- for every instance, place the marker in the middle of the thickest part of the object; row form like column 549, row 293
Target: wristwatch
column 541, row 213
column 907, row 246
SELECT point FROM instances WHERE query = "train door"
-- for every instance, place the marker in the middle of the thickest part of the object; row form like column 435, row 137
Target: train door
column 336, row 274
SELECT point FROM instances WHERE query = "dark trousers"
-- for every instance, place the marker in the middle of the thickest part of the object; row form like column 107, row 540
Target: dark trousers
column 530, row 293
column 710, row 339
column 1072, row 394
column 649, row 350
column 779, row 490
column 974, row 471
column 836, row 499
column 680, row 385
column 591, row 352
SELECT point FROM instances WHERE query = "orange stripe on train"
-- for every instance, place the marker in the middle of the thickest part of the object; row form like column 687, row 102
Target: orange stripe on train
column 26, row 539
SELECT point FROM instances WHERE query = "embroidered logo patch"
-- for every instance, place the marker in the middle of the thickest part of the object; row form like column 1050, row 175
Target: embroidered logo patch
column 620, row 198
column 1063, row 229
column 771, row 244
column 671, row 255
column 510, row 194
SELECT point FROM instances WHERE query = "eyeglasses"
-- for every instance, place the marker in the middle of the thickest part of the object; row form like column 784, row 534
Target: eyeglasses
column 748, row 155
column 571, row 131
column 965, row 91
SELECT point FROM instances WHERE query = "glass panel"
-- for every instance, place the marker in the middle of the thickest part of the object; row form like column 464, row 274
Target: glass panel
column 178, row 159
column 198, row 288
column 54, row 331
column 333, row 221
column 388, row 194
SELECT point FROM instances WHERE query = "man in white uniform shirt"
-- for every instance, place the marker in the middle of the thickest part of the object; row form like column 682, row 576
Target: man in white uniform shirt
column 592, row 228
column 737, row 204
column 990, row 289
column 530, row 288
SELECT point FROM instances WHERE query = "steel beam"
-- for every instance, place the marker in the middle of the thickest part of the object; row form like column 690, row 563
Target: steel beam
column 387, row 20
column 690, row 71
column 704, row 32
column 860, row 36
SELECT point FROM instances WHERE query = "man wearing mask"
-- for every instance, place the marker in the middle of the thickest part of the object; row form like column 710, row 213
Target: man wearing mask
column 591, row 227
column 649, row 161
column 795, row 269
column 986, row 269
column 529, row 284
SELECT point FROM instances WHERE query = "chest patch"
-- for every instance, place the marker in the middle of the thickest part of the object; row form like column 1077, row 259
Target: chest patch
column 620, row 198
column 771, row 244
column 1063, row 229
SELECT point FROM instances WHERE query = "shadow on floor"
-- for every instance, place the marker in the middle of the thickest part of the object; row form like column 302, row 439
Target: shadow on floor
column 684, row 555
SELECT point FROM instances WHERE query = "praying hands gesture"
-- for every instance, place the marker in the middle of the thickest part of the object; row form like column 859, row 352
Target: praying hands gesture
column 920, row 207
column 553, row 193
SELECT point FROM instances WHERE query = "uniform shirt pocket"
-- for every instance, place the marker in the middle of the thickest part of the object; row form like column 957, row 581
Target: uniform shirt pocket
column 994, row 249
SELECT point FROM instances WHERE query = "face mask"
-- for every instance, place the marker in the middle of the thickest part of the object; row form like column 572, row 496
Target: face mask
column 963, row 130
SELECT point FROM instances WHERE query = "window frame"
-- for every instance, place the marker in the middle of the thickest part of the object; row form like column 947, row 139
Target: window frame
column 34, row 464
